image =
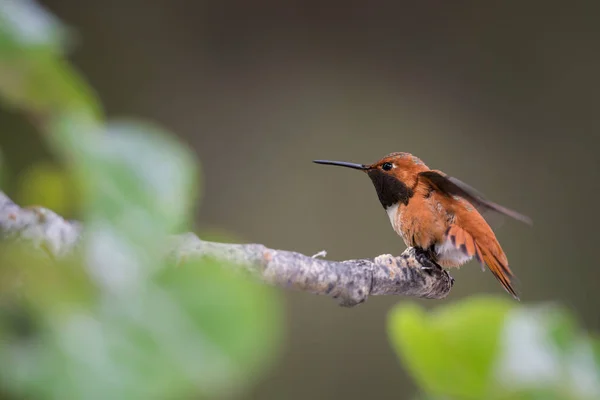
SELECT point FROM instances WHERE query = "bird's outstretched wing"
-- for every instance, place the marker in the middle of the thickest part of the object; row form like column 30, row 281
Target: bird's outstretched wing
column 454, row 187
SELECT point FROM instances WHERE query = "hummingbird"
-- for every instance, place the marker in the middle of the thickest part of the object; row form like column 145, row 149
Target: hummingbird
column 438, row 214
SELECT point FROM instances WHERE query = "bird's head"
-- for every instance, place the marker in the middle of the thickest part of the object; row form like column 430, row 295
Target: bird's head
column 394, row 176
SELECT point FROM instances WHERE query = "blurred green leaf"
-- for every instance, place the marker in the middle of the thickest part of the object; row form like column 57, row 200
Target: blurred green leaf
column 24, row 24
column 127, row 164
column 239, row 317
column 530, row 360
column 452, row 350
column 139, row 184
column 196, row 328
column 544, row 350
column 595, row 343
column 33, row 75
column 562, row 329
column 482, row 348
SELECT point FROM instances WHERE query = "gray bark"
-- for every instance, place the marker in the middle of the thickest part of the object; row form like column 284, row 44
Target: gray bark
column 412, row 273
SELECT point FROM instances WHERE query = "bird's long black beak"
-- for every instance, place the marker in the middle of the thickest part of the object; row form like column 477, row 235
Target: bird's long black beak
column 342, row 164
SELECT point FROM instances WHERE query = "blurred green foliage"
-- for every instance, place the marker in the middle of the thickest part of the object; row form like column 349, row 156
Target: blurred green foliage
column 488, row 348
column 34, row 75
column 115, row 320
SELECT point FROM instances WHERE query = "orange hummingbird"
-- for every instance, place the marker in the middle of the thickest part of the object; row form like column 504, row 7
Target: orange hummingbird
column 438, row 213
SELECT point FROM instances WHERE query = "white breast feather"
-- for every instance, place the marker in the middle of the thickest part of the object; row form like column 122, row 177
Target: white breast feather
column 392, row 212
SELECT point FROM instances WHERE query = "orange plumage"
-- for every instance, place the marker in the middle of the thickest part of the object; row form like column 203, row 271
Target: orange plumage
column 435, row 212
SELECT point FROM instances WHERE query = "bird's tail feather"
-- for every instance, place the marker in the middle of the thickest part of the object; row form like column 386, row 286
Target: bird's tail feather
column 499, row 269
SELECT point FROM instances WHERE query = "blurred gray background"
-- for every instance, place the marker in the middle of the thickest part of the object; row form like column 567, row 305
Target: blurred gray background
column 503, row 95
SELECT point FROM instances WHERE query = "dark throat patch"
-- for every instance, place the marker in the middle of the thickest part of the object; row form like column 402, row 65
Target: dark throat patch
column 389, row 189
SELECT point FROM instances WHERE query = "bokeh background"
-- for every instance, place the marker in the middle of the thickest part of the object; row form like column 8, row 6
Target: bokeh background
column 502, row 95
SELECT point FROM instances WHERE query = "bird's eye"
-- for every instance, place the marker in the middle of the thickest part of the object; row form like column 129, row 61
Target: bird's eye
column 387, row 166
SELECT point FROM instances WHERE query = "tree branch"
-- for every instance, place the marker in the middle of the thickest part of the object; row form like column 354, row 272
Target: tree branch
column 411, row 274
